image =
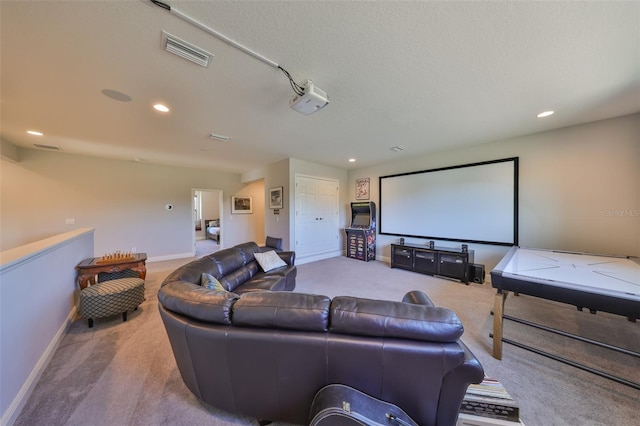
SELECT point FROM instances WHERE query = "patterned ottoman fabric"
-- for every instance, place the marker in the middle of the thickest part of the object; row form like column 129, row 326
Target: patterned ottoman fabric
column 110, row 298
column 108, row 276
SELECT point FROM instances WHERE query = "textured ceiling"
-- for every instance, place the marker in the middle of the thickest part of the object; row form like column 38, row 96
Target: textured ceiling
column 423, row 75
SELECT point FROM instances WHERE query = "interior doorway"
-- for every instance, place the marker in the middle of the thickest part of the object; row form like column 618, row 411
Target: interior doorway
column 207, row 221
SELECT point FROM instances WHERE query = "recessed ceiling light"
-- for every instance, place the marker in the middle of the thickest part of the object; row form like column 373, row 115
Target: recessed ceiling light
column 352, row 160
column 34, row 133
column 545, row 114
column 161, row 108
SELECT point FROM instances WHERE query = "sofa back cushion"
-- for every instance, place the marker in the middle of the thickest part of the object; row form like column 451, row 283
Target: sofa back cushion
column 192, row 271
column 226, row 261
column 197, row 302
column 382, row 318
column 227, row 264
column 234, row 279
column 247, row 251
column 283, row 310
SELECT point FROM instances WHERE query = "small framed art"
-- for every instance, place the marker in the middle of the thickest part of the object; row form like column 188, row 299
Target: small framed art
column 362, row 189
column 241, row 204
column 275, row 198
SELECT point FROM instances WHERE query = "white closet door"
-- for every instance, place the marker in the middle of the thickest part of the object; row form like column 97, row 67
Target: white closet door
column 316, row 215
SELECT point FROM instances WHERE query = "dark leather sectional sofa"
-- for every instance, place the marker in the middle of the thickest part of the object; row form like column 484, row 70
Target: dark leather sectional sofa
column 265, row 354
column 237, row 269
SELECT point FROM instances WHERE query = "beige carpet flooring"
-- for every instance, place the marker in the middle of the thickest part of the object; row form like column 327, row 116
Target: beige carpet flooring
column 123, row 373
column 204, row 247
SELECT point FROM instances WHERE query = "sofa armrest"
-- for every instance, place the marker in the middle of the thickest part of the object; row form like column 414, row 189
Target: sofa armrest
column 417, row 297
column 288, row 256
column 273, row 243
column 455, row 384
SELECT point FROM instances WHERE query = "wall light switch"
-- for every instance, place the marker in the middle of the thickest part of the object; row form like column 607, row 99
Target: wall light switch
column 71, row 221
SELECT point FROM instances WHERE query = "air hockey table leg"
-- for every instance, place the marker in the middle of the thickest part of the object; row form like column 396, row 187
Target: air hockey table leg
column 498, row 311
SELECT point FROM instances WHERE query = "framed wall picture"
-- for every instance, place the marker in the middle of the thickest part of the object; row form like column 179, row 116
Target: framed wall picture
column 362, row 189
column 275, row 198
column 241, row 204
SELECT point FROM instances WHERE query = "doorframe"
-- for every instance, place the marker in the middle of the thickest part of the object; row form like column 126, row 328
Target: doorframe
column 220, row 215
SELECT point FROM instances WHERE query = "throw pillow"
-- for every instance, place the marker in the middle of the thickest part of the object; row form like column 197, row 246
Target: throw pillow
column 269, row 260
column 210, row 282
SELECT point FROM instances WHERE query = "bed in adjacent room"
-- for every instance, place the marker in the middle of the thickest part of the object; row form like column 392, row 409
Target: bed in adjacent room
column 213, row 230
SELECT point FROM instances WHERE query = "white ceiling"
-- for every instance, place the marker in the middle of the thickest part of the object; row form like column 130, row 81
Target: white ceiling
column 424, row 75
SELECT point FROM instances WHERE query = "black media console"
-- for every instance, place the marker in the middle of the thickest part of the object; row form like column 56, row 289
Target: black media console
column 442, row 261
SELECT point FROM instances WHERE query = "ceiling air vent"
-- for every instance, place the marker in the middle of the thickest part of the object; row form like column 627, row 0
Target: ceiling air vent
column 222, row 138
column 186, row 50
column 50, row 147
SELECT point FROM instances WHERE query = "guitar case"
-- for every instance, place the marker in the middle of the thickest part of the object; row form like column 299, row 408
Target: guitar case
column 340, row 405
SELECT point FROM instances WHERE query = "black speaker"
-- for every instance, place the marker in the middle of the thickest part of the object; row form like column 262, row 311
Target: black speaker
column 476, row 273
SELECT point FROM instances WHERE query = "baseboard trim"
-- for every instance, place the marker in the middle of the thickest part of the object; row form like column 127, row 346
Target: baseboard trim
column 170, row 257
column 13, row 411
column 379, row 258
column 301, row 260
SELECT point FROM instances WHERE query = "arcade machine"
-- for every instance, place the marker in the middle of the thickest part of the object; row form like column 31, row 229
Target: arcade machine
column 361, row 235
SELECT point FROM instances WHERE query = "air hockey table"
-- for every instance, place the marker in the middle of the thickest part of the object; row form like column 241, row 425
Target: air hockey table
column 595, row 282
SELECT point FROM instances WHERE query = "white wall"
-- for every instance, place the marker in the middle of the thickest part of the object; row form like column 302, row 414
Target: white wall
column 579, row 187
column 35, row 309
column 124, row 201
column 246, row 226
column 210, row 205
column 277, row 225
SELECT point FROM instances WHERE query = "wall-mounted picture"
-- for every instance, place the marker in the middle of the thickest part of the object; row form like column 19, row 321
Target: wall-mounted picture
column 362, row 189
column 241, row 204
column 275, row 198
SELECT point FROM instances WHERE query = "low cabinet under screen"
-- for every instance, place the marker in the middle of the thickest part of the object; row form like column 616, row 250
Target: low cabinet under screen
column 425, row 261
column 453, row 265
column 442, row 261
column 402, row 257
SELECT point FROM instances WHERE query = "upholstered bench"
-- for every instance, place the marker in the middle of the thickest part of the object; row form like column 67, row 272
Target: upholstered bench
column 110, row 298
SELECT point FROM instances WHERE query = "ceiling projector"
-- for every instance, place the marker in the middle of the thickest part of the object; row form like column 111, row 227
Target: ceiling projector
column 310, row 101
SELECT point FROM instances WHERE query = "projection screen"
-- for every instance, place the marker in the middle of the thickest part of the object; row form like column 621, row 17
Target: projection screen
column 475, row 203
